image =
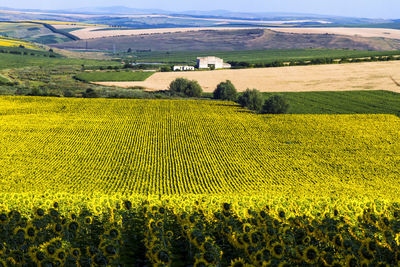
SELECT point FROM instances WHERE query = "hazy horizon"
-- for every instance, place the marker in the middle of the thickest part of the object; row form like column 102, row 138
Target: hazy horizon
column 387, row 9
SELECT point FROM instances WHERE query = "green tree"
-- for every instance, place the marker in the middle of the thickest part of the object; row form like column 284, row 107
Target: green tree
column 225, row 91
column 90, row 93
column 165, row 69
column 193, row 89
column 251, row 99
column 276, row 104
column 185, row 87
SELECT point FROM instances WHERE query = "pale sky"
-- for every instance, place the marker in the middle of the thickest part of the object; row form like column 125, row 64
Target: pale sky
column 352, row 8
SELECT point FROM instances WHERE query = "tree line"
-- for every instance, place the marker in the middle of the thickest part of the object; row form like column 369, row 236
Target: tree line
column 251, row 98
column 315, row 61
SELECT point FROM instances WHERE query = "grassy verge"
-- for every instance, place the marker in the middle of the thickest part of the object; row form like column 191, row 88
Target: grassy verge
column 349, row 102
column 113, row 76
column 10, row 61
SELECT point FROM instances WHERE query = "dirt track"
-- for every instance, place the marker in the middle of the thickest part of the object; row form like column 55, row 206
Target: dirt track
column 343, row 77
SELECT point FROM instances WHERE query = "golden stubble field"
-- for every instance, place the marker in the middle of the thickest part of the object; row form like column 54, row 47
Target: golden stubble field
column 363, row 32
column 343, row 77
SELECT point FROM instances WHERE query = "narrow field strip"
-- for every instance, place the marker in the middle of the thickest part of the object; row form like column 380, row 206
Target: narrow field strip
column 336, row 77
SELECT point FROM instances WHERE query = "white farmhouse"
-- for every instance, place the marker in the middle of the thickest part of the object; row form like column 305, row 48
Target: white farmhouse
column 207, row 62
column 183, row 68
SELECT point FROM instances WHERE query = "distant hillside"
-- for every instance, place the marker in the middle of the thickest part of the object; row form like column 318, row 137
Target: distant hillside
column 232, row 40
column 221, row 14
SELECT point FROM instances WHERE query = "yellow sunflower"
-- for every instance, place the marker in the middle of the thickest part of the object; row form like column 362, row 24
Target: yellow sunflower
column 239, row 262
column 3, row 217
column 36, row 255
column 365, row 254
column 338, row 241
column 88, row 220
column 39, row 213
column 277, row 250
column 2, row 248
column 311, row 255
column 351, row 261
column 246, row 228
column 30, row 232
column 75, row 252
column 284, row 264
column 60, row 255
column 114, row 233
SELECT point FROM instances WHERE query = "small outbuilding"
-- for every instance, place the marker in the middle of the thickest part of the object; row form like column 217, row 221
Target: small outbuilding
column 183, row 68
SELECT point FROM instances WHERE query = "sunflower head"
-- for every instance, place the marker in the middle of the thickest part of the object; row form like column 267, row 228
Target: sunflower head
column 226, row 207
column 371, row 245
column 284, row 264
column 365, row 254
column 39, row 213
column 239, row 262
column 351, row 261
column 277, row 250
column 128, row 204
column 207, row 246
column 88, row 220
column 114, row 233
column 73, row 226
column 50, row 249
column 306, row 240
column 30, row 232
column 311, row 255
column 37, row 256
column 2, row 248
column 169, row 234
column 246, row 228
column 338, row 241
column 76, row 253
column 163, row 256
column 57, row 228
column 3, row 217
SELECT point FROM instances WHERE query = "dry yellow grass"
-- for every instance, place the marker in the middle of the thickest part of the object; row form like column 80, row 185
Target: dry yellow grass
column 363, row 32
column 343, row 77
column 96, row 32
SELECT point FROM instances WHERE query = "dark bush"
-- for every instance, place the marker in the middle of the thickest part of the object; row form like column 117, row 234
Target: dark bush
column 251, row 99
column 225, row 91
column 90, row 93
column 185, row 87
column 275, row 105
column 165, row 69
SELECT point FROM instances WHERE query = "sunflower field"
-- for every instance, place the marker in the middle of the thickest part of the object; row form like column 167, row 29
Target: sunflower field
column 98, row 182
column 12, row 42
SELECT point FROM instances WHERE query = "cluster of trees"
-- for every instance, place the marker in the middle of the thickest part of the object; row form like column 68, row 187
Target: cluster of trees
column 251, row 98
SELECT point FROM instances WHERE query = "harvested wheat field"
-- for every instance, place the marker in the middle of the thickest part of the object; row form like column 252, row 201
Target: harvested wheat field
column 99, row 32
column 363, row 32
column 343, row 77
